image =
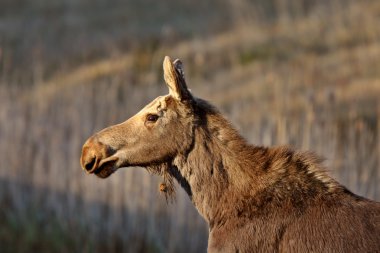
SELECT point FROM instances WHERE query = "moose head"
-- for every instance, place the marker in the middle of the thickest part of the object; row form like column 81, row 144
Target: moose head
column 153, row 137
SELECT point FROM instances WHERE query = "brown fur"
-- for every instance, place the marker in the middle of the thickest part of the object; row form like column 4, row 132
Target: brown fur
column 255, row 199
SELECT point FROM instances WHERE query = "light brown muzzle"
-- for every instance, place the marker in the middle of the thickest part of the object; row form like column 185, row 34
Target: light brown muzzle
column 97, row 158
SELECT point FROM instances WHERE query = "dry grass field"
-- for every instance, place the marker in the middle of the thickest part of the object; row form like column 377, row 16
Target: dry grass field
column 300, row 73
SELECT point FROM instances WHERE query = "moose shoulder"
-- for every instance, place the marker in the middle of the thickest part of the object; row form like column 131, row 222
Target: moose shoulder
column 255, row 199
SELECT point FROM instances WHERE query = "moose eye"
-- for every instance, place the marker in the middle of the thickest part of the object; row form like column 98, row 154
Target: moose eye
column 152, row 117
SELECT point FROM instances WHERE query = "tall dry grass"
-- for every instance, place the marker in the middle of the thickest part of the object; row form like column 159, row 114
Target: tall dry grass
column 300, row 73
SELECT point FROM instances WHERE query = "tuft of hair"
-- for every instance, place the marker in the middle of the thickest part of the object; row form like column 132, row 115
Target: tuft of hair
column 167, row 187
column 315, row 168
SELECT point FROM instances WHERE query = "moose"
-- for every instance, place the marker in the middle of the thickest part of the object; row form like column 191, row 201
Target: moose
column 254, row 198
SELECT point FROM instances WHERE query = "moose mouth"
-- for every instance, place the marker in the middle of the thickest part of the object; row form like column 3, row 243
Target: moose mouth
column 106, row 167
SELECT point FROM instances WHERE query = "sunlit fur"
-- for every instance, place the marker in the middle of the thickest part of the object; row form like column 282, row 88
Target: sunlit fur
column 254, row 199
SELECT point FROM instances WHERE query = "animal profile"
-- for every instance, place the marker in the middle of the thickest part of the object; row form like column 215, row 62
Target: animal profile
column 254, row 198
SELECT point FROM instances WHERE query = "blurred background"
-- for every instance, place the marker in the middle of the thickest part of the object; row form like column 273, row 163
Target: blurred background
column 299, row 72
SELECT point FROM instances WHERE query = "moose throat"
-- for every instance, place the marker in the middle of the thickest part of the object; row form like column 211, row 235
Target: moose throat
column 254, row 199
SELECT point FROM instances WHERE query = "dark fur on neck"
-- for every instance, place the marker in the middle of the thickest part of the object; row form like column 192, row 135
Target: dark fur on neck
column 222, row 167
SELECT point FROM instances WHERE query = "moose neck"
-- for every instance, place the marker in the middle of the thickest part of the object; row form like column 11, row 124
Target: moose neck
column 216, row 167
column 226, row 177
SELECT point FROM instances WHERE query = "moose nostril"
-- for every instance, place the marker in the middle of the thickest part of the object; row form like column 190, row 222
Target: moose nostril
column 90, row 164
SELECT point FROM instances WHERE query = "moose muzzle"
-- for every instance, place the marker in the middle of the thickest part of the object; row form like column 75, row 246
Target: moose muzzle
column 95, row 156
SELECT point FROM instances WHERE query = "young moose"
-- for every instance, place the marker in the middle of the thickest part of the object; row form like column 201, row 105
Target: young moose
column 254, row 199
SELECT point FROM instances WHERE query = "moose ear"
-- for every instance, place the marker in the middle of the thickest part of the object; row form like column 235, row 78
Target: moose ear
column 175, row 79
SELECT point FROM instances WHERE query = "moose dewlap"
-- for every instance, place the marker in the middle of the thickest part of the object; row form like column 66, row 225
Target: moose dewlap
column 254, row 199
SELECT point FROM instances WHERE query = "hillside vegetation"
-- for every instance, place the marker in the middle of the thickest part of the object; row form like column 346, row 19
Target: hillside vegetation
column 300, row 73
